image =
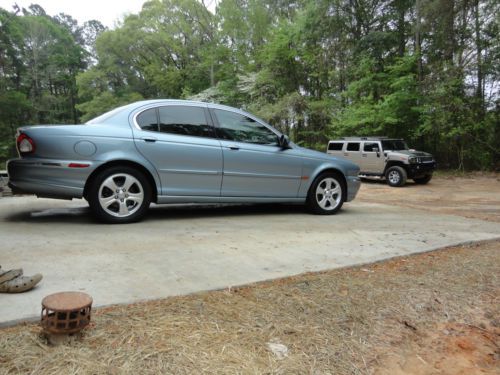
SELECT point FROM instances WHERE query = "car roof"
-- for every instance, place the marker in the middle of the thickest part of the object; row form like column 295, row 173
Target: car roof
column 143, row 103
column 343, row 139
column 121, row 113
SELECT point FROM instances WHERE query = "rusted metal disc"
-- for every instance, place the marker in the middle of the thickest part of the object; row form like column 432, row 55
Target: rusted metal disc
column 66, row 312
column 67, row 301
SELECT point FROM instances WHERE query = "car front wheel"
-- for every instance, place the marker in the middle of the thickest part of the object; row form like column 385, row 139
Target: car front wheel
column 396, row 176
column 327, row 194
column 119, row 195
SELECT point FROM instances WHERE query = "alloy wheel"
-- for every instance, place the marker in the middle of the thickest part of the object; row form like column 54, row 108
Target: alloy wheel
column 121, row 195
column 328, row 193
column 394, row 177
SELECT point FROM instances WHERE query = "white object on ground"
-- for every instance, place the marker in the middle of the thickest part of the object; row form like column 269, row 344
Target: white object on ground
column 279, row 350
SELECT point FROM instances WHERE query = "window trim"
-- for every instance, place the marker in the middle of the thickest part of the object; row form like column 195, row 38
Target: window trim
column 216, row 124
column 157, row 107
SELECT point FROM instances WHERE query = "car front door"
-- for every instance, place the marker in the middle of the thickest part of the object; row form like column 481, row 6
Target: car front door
column 254, row 164
column 180, row 142
column 373, row 158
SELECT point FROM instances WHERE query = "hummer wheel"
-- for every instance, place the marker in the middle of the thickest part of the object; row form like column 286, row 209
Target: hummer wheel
column 396, row 176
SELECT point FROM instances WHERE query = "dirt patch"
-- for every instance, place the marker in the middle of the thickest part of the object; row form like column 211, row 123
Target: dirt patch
column 448, row 349
column 474, row 196
column 430, row 313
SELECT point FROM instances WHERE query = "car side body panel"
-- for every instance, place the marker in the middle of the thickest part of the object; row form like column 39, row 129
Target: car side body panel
column 64, row 145
column 315, row 163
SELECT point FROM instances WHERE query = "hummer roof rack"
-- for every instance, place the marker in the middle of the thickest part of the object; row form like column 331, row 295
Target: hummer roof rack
column 365, row 138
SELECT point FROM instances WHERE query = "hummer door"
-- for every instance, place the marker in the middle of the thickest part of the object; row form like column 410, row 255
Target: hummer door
column 372, row 158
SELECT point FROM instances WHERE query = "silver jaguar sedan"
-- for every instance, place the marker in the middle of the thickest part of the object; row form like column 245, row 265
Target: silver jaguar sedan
column 174, row 151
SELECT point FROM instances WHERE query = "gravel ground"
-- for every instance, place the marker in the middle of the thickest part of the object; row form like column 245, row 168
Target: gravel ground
column 432, row 313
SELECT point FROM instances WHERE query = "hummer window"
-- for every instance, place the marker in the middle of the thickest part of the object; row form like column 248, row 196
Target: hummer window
column 368, row 147
column 353, row 146
column 394, row 145
column 337, row 146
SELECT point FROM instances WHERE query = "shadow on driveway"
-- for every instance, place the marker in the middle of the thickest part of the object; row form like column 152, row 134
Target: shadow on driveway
column 82, row 215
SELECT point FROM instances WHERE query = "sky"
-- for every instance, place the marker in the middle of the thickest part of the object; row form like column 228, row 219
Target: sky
column 106, row 11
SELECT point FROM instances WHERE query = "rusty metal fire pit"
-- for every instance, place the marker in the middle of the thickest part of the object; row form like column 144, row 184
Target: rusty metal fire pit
column 66, row 312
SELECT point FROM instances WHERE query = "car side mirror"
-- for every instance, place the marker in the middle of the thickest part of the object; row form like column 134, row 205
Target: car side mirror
column 376, row 149
column 284, row 141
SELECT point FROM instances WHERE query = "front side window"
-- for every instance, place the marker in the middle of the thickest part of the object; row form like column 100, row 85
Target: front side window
column 368, row 147
column 394, row 145
column 353, row 146
column 240, row 128
column 184, row 120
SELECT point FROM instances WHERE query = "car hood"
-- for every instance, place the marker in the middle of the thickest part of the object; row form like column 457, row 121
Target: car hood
column 410, row 153
column 323, row 156
column 314, row 154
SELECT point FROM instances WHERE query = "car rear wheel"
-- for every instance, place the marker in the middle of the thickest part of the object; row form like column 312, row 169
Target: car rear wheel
column 327, row 194
column 423, row 180
column 396, row 176
column 119, row 195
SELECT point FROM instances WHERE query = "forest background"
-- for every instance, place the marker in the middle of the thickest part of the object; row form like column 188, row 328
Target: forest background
column 424, row 70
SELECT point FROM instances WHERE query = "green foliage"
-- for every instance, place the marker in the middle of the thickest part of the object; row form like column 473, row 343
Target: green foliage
column 383, row 102
column 13, row 105
column 105, row 102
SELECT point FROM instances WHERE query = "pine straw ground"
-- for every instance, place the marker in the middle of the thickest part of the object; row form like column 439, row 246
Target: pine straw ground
column 343, row 321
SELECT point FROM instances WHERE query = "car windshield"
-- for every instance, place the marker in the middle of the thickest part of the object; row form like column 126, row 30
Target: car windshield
column 394, row 145
column 105, row 116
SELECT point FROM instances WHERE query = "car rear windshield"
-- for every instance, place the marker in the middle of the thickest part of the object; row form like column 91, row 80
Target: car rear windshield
column 106, row 116
column 394, row 144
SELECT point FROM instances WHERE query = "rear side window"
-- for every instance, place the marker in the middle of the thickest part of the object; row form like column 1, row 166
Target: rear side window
column 335, row 146
column 353, row 146
column 184, row 120
column 148, row 120
column 368, row 147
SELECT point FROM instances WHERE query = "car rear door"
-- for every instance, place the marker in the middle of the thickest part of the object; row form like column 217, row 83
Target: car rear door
column 335, row 148
column 254, row 164
column 179, row 140
column 352, row 151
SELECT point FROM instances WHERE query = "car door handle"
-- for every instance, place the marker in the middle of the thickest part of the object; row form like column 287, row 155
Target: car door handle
column 149, row 139
column 234, row 147
column 363, row 155
column 346, row 154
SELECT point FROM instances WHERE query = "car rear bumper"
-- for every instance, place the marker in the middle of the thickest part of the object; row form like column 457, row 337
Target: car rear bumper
column 353, row 184
column 48, row 178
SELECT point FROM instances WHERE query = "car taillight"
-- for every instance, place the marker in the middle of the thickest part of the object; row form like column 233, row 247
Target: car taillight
column 25, row 144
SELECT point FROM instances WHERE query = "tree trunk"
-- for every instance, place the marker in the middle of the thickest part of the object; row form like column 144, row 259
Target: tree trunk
column 479, row 51
column 401, row 30
column 418, row 42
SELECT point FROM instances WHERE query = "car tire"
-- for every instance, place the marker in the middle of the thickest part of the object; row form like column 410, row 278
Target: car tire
column 327, row 194
column 119, row 195
column 423, row 180
column 396, row 176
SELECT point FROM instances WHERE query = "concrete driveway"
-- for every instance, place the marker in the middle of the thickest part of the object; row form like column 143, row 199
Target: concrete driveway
column 179, row 250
